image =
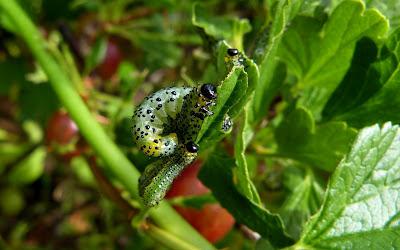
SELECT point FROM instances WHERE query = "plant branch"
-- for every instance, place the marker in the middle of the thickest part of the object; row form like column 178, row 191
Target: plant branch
column 167, row 239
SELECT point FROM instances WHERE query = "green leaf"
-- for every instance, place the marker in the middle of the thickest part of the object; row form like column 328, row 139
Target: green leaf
column 361, row 207
column 13, row 72
column 216, row 174
column 296, row 48
column 10, row 152
column 37, row 102
column 378, row 85
column 221, row 66
column 320, row 58
column 241, row 95
column 81, row 168
column 390, row 8
column 229, row 92
column 159, row 54
column 266, row 53
column 313, row 7
column 359, row 84
column 29, row 169
column 128, row 79
column 245, row 185
column 230, row 29
column 11, row 201
column 252, row 76
column 321, row 146
column 123, row 132
column 33, row 131
column 97, row 54
column 158, row 42
column 303, row 201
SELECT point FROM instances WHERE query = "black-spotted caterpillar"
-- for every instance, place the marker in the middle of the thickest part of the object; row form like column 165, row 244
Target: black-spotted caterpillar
column 171, row 116
column 166, row 125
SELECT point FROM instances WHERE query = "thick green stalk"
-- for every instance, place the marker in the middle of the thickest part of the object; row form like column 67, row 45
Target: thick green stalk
column 168, row 239
column 105, row 148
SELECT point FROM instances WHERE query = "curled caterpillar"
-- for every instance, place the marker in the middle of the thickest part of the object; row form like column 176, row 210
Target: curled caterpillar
column 171, row 116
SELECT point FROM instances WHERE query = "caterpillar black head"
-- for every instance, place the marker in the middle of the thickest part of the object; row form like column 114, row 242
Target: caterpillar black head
column 234, row 58
column 209, row 91
column 192, row 147
column 232, row 52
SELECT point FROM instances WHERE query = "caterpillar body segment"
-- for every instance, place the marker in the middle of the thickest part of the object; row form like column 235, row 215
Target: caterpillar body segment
column 152, row 117
column 170, row 117
column 158, row 177
column 195, row 109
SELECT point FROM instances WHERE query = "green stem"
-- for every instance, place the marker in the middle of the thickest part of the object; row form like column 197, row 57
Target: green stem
column 104, row 147
column 168, row 239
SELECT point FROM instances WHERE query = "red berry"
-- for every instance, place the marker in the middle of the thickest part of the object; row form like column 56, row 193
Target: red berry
column 111, row 61
column 63, row 137
column 212, row 221
column 61, row 129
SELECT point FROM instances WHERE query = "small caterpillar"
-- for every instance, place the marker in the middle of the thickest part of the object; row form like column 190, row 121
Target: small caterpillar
column 166, row 125
column 234, row 57
column 157, row 177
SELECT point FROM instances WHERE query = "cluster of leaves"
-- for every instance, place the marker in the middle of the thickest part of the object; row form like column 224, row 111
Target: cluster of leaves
column 336, row 69
column 314, row 98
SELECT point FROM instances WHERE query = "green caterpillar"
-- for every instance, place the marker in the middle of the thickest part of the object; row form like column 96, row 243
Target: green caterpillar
column 158, row 177
column 166, row 125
